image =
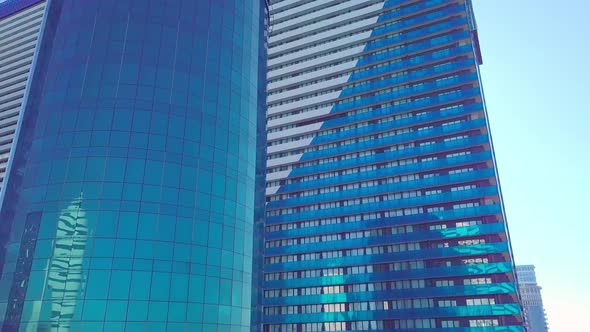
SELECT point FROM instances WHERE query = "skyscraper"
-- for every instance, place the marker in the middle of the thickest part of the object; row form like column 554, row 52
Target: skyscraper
column 384, row 210
column 532, row 302
column 20, row 23
column 130, row 193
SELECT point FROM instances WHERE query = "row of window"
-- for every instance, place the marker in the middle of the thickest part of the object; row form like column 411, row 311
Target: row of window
column 372, row 233
column 301, row 62
column 368, row 233
column 343, row 172
column 369, row 57
column 389, row 11
column 352, row 326
column 360, row 73
column 371, row 137
column 350, row 116
column 362, row 269
column 351, row 288
column 375, row 305
column 361, row 168
column 416, row 91
column 348, row 186
column 392, row 267
column 350, row 306
column 332, row 38
column 339, row 271
column 430, row 59
column 395, row 81
column 382, row 113
column 367, row 251
column 379, row 198
column 324, row 49
column 372, row 199
column 379, row 287
column 380, row 325
column 376, row 149
column 367, row 182
column 323, row 18
column 443, row 206
column 340, row 236
column 381, row 88
column 357, row 218
column 375, row 250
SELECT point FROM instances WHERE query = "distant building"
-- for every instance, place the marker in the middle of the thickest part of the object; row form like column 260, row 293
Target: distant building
column 535, row 318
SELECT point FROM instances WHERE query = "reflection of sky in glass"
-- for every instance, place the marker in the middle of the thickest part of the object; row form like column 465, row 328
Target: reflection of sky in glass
column 65, row 276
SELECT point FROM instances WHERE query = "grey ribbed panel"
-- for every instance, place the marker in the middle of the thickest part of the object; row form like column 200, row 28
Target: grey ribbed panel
column 18, row 38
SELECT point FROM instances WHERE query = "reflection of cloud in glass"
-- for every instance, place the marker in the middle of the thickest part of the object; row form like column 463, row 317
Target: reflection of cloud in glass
column 65, row 272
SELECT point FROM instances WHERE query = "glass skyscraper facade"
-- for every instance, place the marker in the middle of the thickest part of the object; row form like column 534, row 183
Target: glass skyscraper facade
column 129, row 200
column 384, row 210
column 532, row 301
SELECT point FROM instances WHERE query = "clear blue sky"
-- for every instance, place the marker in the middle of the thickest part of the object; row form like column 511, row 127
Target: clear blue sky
column 536, row 76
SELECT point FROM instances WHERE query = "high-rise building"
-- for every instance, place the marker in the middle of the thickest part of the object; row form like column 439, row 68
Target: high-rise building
column 130, row 192
column 384, row 210
column 532, row 302
column 20, row 23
